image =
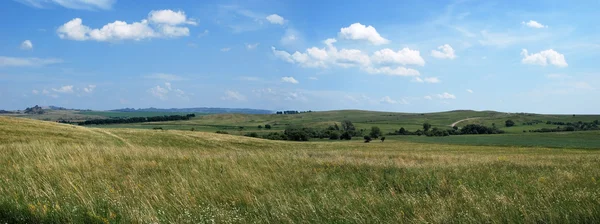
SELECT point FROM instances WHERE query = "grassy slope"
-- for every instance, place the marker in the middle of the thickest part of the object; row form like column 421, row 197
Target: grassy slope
column 60, row 173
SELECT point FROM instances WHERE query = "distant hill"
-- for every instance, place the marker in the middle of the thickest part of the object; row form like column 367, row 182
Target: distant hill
column 208, row 110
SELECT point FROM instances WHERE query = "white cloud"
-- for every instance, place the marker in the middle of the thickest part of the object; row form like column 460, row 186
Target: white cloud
column 543, row 58
column 89, row 88
column 168, row 85
column 446, row 96
column 275, row 19
column 378, row 63
column 469, row 90
column 72, row 4
column 160, row 24
column 289, row 79
column 225, row 49
column 358, row 31
column 388, row 100
column 398, row 71
column 291, row 36
column 26, row 45
column 233, row 95
column 163, row 76
column 159, row 92
column 169, row 17
column 427, row 80
column 248, row 78
column 313, row 78
column 405, row 56
column 27, row 62
column 64, row 89
column 446, row 52
column 35, row 92
column 428, row 97
column 534, row 24
column 252, row 46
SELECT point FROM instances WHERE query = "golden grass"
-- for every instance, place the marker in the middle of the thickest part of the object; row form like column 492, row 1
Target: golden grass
column 60, row 173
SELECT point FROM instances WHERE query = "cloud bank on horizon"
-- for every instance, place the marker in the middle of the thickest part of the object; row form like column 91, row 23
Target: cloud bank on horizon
column 105, row 54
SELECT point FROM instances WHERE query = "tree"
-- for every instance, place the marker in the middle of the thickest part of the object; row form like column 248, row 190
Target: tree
column 348, row 126
column 509, row 123
column 259, row 126
column 267, row 126
column 337, row 128
column 346, row 136
column 375, row 132
column 382, row 139
column 334, row 135
column 426, row 126
column 367, row 139
column 402, row 131
column 455, row 128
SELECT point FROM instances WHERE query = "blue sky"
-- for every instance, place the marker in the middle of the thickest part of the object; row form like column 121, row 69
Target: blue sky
column 408, row 56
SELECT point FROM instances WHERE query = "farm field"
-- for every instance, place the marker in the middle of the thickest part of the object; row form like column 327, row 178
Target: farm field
column 57, row 173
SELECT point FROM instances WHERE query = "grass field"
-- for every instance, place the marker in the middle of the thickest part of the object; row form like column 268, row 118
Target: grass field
column 58, row 173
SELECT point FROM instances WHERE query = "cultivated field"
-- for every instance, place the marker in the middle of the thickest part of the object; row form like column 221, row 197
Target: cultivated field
column 59, row 173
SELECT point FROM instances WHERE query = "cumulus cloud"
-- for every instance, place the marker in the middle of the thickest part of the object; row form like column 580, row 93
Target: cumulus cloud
column 428, row 97
column 358, row 31
column 64, row 89
column 446, row 96
column 233, row 95
column 26, row 45
column 275, row 19
column 378, row 63
column 27, row 62
column 289, row 79
column 469, row 90
column 313, row 78
column 405, row 56
column 225, row 49
column 89, row 88
column 170, row 17
column 35, row 92
column 445, row 52
column 427, row 80
column 389, row 100
column 544, row 58
column 163, row 93
column 252, row 46
column 159, row 24
column 534, row 24
column 71, row 4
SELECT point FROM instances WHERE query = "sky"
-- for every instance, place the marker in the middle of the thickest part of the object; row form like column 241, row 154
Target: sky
column 404, row 56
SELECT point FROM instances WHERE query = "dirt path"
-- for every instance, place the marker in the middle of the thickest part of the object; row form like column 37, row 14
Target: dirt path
column 115, row 136
column 466, row 119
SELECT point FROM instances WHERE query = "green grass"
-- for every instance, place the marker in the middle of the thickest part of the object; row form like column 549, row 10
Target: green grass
column 55, row 173
column 579, row 140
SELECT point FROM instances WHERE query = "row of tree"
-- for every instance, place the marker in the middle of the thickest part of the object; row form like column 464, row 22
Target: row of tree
column 470, row 129
column 135, row 119
column 579, row 126
column 292, row 112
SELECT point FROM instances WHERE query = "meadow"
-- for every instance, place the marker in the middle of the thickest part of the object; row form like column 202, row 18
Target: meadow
column 59, row 173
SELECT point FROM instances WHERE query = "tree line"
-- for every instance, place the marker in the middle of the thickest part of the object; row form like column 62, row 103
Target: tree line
column 470, row 129
column 578, row 126
column 134, row 119
column 292, row 112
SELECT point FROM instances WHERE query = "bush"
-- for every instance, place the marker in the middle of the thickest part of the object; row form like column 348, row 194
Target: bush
column 222, row 132
column 334, row 135
column 267, row 126
column 346, row 136
column 375, row 132
column 251, row 134
column 367, row 139
column 509, row 123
